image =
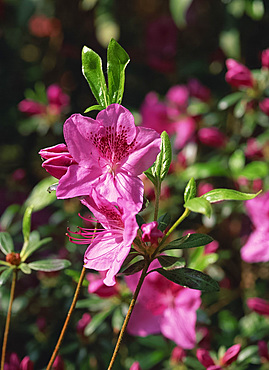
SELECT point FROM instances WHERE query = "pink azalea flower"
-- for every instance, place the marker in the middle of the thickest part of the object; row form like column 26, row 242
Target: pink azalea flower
column 211, row 247
column 164, row 307
column 178, row 354
column 265, row 58
column 204, row 187
column 82, row 323
column 199, row 91
column 97, row 286
column 135, row 366
column 264, row 106
column 256, row 248
column 13, row 363
column 258, row 305
column 151, row 233
column 204, row 357
column 230, row 355
column 177, row 99
column 263, row 351
column 58, row 364
column 211, row 136
column 238, row 75
column 185, row 129
column 108, row 247
column 253, row 148
column 108, row 154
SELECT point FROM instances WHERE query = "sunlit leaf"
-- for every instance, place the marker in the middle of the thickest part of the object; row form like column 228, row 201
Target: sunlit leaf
column 255, row 170
column 217, row 195
column 49, row 265
column 6, row 243
column 93, row 107
column 26, row 223
column 229, row 100
column 190, row 190
column 40, row 197
column 199, row 205
column 25, row 268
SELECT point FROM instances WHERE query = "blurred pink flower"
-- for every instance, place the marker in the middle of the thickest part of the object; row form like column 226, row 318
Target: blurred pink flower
column 108, row 154
column 109, row 246
column 82, row 323
column 228, row 358
column 258, row 305
column 97, row 286
column 13, row 363
column 177, row 355
column 253, row 148
column 58, row 363
column 204, row 187
column 161, row 44
column 199, row 91
column 230, row 355
column 185, row 130
column 264, row 106
column 151, row 233
column 263, row 351
column 31, row 107
column 265, row 58
column 211, row 136
column 164, row 307
column 177, row 100
column 211, row 247
column 204, row 357
column 238, row 75
column 42, row 26
column 256, row 248
column 135, row 366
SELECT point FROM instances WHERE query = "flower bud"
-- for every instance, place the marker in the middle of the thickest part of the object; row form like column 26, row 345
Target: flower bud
column 57, row 160
column 264, row 106
column 212, row 137
column 258, row 305
column 13, row 258
column 231, row 355
column 263, row 350
column 238, row 75
column 151, row 233
column 204, row 357
column 265, row 58
column 135, row 366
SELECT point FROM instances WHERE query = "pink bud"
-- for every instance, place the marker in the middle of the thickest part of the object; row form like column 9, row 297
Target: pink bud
column 83, row 322
column 57, row 97
column 204, row 187
column 231, row 355
column 253, row 148
column 177, row 355
column 263, row 350
column 211, row 136
column 265, row 58
column 264, row 106
column 31, row 108
column 238, row 75
column 185, row 129
column 57, row 160
column 151, row 233
column 211, row 247
column 178, row 96
column 27, row 364
column 214, row 367
column 58, row 364
column 204, row 357
column 198, row 90
column 135, row 366
column 258, row 305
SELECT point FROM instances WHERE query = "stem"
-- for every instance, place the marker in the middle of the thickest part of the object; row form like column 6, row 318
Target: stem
column 181, row 218
column 71, row 309
column 157, row 200
column 11, row 299
column 127, row 318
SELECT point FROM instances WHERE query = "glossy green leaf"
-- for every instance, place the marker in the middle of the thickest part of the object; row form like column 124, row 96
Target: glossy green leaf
column 190, row 278
column 135, row 267
column 40, row 197
column 5, row 275
column 49, row 265
column 157, row 172
column 217, row 195
column 33, row 246
column 229, row 100
column 178, row 11
column 97, row 320
column 6, row 243
column 255, row 170
column 190, row 190
column 237, row 161
column 164, row 221
column 117, row 60
column 93, row 72
column 189, row 241
column 25, row 268
column 93, row 107
column 199, row 205
column 128, row 260
column 26, row 223
column 168, row 261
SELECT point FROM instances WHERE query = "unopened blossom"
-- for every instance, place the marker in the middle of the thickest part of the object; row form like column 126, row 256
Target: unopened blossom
column 238, row 75
column 263, row 351
column 83, row 323
column 197, row 90
column 230, row 355
column 211, row 247
column 254, row 148
column 204, row 357
column 151, row 233
column 259, row 305
column 108, row 247
column 97, row 286
column 58, row 363
column 264, row 106
column 185, row 129
column 178, row 354
column 108, row 154
column 204, row 187
column 265, row 58
column 13, row 363
column 164, row 307
column 256, row 249
column 212, row 136
column 135, row 366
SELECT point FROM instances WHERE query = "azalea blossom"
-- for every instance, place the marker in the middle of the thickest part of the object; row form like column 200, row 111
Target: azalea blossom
column 256, row 248
column 238, row 75
column 108, row 247
column 228, row 358
column 107, row 153
column 164, row 307
column 258, row 305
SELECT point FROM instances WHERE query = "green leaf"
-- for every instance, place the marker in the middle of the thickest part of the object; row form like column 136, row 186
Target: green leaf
column 240, row 108
column 167, row 261
column 190, row 190
column 200, row 261
column 49, row 265
column 97, row 320
column 157, row 172
column 229, row 100
column 190, row 278
column 135, row 267
column 255, row 170
column 117, row 319
column 40, row 197
column 204, row 170
column 26, row 223
column 6, row 243
column 4, row 263
column 117, row 60
column 25, row 268
column 199, row 205
column 189, row 241
column 5, row 275
column 93, row 107
column 255, row 9
column 93, row 72
column 8, row 216
column 139, row 219
column 178, row 11
column 164, row 221
column 237, row 161
column 32, row 246
column 217, row 195
column 127, row 260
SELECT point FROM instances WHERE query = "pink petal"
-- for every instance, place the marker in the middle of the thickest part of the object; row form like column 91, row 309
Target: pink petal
column 204, row 357
column 231, row 355
column 256, row 248
column 185, row 129
column 142, row 323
